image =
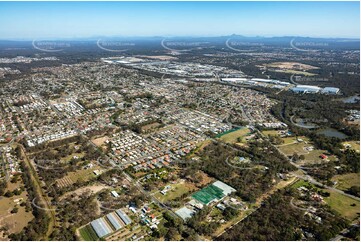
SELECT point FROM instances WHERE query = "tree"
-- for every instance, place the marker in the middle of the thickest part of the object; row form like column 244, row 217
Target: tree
column 295, row 157
column 230, row 213
column 354, row 190
column 15, row 210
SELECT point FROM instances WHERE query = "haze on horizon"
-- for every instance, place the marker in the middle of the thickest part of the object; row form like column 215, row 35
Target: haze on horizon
column 29, row 20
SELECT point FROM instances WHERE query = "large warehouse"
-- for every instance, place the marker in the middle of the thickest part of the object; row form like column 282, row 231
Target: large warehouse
column 214, row 192
column 105, row 225
column 306, row 89
column 330, row 90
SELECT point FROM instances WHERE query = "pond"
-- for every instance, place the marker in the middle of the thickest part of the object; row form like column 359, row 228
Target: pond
column 332, row 133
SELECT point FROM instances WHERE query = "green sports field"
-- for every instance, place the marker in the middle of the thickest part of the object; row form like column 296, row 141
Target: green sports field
column 208, row 194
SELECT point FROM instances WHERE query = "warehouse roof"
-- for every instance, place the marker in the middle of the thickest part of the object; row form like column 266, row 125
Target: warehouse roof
column 101, row 228
column 124, row 217
column 114, row 221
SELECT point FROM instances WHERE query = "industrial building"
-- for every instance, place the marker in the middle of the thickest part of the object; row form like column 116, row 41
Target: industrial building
column 306, row 89
column 114, row 220
column 109, row 223
column 214, row 192
column 124, row 217
column 330, row 90
column 185, row 213
column 101, row 227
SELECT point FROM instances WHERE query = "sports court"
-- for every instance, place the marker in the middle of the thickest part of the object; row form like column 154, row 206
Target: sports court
column 208, row 194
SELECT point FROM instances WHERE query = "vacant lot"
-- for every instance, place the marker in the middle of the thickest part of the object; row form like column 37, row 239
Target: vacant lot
column 347, row 207
column 354, row 145
column 233, row 136
column 100, row 141
column 80, row 175
column 291, row 66
column 270, row 132
column 304, row 73
column 176, row 191
column 14, row 221
column 292, row 146
column 345, row 181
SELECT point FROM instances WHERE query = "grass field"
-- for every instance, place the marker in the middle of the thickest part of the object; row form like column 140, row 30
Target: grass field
column 270, row 132
column 69, row 157
column 292, row 148
column 345, row 181
column 338, row 202
column 80, row 175
column 342, row 205
column 176, row 191
column 200, row 147
column 87, row 233
column 233, row 136
column 301, row 183
column 15, row 221
column 289, row 148
column 354, row 145
column 293, row 139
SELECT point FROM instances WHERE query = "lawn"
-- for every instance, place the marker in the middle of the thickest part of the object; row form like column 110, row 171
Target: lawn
column 342, row 204
column 270, row 132
column 16, row 221
column 233, row 136
column 345, row 181
column 293, row 139
column 177, row 190
column 87, row 233
column 354, row 145
column 312, row 156
column 302, row 183
column 292, row 148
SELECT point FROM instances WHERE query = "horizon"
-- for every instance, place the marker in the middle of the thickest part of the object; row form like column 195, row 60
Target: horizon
column 79, row 20
column 93, row 38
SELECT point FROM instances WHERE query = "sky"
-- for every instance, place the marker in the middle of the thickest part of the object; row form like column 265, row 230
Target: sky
column 30, row 20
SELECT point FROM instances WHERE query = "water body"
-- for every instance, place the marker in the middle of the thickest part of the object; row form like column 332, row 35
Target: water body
column 332, row 133
column 352, row 99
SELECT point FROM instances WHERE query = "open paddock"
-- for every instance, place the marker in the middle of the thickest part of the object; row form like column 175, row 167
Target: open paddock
column 232, row 137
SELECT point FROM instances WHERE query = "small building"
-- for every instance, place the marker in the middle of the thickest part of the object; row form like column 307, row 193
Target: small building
column 323, row 156
column 114, row 193
column 221, row 207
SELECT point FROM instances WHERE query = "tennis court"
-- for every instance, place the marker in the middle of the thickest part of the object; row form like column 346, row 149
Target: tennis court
column 208, row 194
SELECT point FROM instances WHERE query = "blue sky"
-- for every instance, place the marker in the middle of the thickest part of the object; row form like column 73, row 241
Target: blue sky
column 27, row 20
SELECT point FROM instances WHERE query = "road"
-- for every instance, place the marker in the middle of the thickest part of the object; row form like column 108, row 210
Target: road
column 147, row 194
column 43, row 197
column 308, row 177
column 313, row 181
